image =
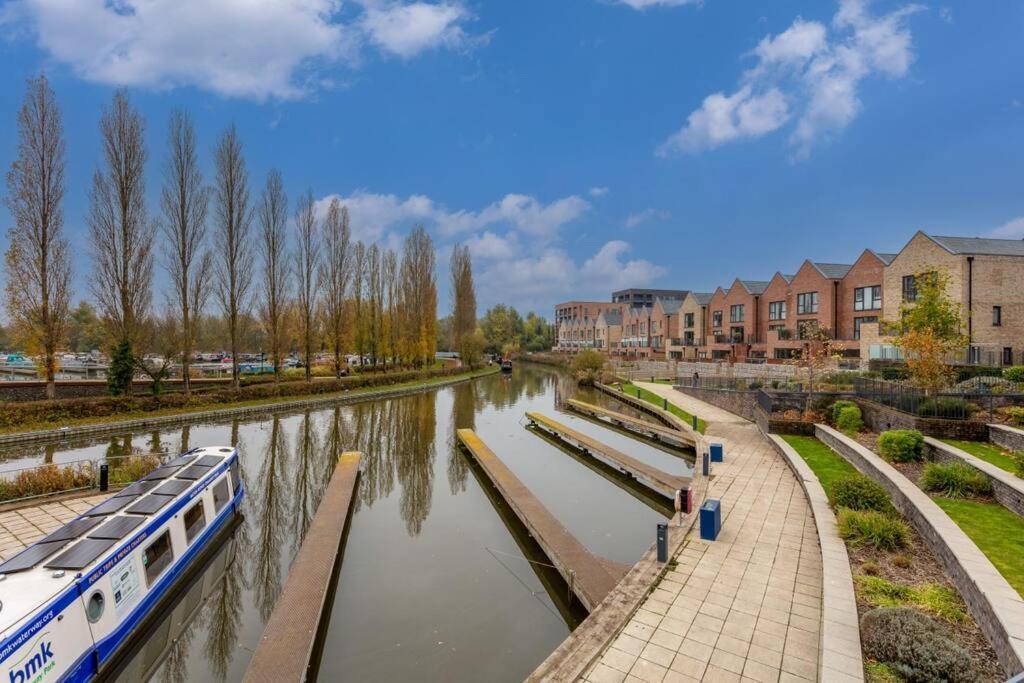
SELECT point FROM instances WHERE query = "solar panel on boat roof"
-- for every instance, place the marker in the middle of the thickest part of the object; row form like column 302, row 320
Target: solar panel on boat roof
column 193, row 472
column 172, row 487
column 31, row 556
column 81, row 554
column 138, row 488
column 149, row 504
column 73, row 530
column 117, row 528
column 162, row 472
column 209, row 460
column 181, row 460
column 109, row 507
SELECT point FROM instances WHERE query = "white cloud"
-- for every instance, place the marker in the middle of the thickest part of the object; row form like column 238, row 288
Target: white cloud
column 809, row 73
column 489, row 246
column 640, row 217
column 644, row 4
column 598, row 191
column 1013, row 229
column 270, row 48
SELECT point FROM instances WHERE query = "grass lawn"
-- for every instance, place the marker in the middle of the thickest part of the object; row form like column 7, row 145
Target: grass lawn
column 996, row 531
column 989, row 452
column 826, row 464
column 650, row 397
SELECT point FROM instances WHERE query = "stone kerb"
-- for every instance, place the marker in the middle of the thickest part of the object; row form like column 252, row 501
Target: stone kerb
column 840, row 630
column 1007, row 488
column 993, row 603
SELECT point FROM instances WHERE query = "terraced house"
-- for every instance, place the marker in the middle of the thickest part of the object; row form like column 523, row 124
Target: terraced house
column 693, row 325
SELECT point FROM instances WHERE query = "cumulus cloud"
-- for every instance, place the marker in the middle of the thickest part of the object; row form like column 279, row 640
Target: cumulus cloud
column 809, row 73
column 645, row 4
column 1013, row 229
column 598, row 191
column 271, row 48
column 640, row 217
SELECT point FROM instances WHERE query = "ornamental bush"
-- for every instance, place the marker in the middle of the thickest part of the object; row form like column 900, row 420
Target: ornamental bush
column 857, row 492
column 850, row 420
column 1014, row 414
column 947, row 407
column 1014, row 373
column 873, row 528
column 901, row 445
column 954, row 480
column 838, row 406
column 918, row 647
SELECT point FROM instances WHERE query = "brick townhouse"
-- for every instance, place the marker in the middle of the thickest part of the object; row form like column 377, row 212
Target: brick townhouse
column 575, row 323
column 693, row 326
column 733, row 321
column 608, row 331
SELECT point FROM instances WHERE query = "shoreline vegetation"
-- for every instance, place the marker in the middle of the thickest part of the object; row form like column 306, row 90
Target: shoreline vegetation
column 53, row 414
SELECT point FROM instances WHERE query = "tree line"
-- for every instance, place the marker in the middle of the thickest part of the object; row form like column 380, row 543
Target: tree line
column 298, row 278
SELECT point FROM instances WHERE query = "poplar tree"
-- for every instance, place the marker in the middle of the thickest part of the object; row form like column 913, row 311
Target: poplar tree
column 307, row 262
column 336, row 274
column 273, row 221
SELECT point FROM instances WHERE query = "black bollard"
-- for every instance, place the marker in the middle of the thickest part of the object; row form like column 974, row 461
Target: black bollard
column 664, row 404
column 662, row 542
column 694, row 423
column 104, row 477
column 707, row 465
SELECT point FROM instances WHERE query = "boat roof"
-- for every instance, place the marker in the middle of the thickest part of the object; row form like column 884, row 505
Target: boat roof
column 41, row 571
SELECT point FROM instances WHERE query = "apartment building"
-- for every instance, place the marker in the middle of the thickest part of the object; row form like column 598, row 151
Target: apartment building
column 575, row 323
column 646, row 298
column 693, row 319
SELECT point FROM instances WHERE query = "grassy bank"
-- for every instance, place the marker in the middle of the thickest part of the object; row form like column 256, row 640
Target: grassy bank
column 822, row 460
column 996, row 531
column 650, row 397
column 157, row 406
column 989, row 452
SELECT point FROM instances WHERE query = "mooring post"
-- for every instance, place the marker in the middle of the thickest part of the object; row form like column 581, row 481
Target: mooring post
column 694, row 419
column 104, row 477
column 707, row 465
column 662, row 542
column 664, row 404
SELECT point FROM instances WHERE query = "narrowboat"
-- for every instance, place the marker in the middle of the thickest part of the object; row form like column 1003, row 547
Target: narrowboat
column 506, row 365
column 73, row 601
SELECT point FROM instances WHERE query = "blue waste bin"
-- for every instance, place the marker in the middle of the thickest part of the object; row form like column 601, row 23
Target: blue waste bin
column 710, row 519
column 717, row 452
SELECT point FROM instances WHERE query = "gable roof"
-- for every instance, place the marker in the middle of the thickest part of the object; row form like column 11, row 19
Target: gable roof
column 754, row 286
column 611, row 317
column 885, row 258
column 669, row 306
column 833, row 271
column 985, row 246
column 703, row 298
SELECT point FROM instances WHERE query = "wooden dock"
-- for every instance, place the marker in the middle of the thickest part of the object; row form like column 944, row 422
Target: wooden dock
column 657, row 432
column 589, row 577
column 670, row 419
column 287, row 650
column 653, row 478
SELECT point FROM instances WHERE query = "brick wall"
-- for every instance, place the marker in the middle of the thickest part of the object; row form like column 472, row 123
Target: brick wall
column 1007, row 437
column 881, row 418
column 1007, row 489
column 740, row 403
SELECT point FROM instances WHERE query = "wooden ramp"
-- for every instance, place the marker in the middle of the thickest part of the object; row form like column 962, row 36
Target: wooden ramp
column 666, row 435
column 653, row 478
column 589, row 577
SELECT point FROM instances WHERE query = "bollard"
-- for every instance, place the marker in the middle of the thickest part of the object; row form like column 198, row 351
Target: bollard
column 694, row 418
column 664, row 404
column 662, row 542
column 104, row 477
column 717, row 453
column 684, row 501
column 707, row 465
column 710, row 519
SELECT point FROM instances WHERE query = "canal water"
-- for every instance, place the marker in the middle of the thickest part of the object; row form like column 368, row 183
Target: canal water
column 438, row 581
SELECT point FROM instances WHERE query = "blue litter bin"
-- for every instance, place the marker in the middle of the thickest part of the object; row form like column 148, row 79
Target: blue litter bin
column 710, row 519
column 717, row 453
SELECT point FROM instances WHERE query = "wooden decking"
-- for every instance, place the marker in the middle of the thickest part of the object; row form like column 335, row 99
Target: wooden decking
column 590, row 577
column 653, row 478
column 667, row 435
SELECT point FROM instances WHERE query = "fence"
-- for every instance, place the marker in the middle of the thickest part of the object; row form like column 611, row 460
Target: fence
column 738, row 383
column 945, row 405
column 48, row 479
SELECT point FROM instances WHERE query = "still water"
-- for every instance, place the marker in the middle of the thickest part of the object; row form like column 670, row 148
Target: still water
column 438, row 581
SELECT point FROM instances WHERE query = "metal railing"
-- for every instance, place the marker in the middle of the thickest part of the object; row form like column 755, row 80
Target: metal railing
column 944, row 405
column 50, row 479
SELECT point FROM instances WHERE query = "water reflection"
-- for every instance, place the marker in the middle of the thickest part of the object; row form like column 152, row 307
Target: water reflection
column 270, row 496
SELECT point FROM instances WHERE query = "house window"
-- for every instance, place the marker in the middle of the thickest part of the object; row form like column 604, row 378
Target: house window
column 688, row 320
column 688, row 338
column 158, row 557
column 867, row 298
column 736, row 333
column 736, row 313
column 806, row 303
column 777, row 310
column 716, row 319
column 1007, row 355
column 195, row 521
column 997, row 316
column 909, row 288
column 857, row 322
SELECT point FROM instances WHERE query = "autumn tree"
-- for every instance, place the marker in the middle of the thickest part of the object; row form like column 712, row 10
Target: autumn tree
column 307, row 264
column 392, row 305
column 359, row 298
column 273, row 221
column 374, row 291
column 419, row 296
column 120, row 233
column 234, row 214
column 463, row 325
column 38, row 262
column 815, row 356
column 184, row 201
column 929, row 330
column 335, row 277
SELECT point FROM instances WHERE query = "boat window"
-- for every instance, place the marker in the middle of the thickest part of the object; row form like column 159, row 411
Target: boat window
column 195, row 521
column 220, row 494
column 94, row 609
column 158, row 557
column 236, row 482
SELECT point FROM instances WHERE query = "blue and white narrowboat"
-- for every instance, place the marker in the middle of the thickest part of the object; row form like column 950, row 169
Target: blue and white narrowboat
column 71, row 602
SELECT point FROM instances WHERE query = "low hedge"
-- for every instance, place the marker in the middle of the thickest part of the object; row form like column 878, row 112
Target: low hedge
column 16, row 414
column 857, row 492
column 901, row 445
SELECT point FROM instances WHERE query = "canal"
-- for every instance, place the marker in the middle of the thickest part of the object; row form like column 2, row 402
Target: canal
column 438, row 581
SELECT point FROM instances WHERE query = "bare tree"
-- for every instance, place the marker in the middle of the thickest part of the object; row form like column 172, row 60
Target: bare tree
column 463, row 298
column 307, row 261
column 122, row 237
column 184, row 201
column 374, row 300
column 273, row 218
column 391, row 304
column 234, row 252
column 359, row 298
column 335, row 275
column 38, row 262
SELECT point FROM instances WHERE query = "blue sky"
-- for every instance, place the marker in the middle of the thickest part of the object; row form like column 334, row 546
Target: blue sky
column 576, row 145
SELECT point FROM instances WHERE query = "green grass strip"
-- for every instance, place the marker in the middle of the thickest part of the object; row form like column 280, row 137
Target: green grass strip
column 826, row 464
column 996, row 531
column 651, row 397
column 989, row 452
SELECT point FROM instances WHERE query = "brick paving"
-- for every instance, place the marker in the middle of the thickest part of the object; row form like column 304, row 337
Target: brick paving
column 24, row 526
column 746, row 607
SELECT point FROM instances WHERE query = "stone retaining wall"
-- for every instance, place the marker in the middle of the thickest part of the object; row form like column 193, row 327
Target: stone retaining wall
column 880, row 418
column 1007, row 488
column 740, row 403
column 1009, row 438
column 993, row 603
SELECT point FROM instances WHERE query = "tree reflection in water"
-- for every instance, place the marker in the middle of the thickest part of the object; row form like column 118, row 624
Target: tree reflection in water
column 270, row 498
column 307, row 484
column 222, row 620
column 415, row 425
column 464, row 407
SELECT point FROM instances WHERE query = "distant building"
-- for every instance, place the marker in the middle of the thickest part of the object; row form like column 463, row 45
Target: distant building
column 647, row 297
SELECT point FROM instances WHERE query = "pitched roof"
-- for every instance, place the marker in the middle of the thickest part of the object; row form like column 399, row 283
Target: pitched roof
column 703, row 298
column 986, row 246
column 612, row 317
column 754, row 286
column 833, row 271
column 670, row 306
column 883, row 257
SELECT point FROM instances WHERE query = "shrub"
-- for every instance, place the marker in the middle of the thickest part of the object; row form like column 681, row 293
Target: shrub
column 128, row 469
column 1014, row 373
column 895, row 373
column 850, row 420
column 869, row 567
column 588, row 366
column 918, row 647
column 901, row 445
column 902, row 561
column 756, row 384
column 857, row 492
column 954, row 480
column 946, row 406
column 873, row 528
column 837, row 407
column 45, row 479
column 938, row 600
column 1014, row 414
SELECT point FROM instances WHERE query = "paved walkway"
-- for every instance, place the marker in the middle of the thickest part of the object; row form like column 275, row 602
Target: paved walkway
column 744, row 607
column 24, row 526
column 705, row 411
